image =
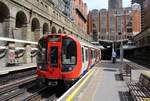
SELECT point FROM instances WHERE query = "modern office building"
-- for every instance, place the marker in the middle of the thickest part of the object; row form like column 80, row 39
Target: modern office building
column 114, row 4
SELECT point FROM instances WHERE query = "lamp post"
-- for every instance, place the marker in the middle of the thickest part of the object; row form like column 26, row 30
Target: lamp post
column 121, row 50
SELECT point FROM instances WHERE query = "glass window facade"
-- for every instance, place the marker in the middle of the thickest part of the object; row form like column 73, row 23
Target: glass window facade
column 112, row 23
column 103, row 23
column 119, row 24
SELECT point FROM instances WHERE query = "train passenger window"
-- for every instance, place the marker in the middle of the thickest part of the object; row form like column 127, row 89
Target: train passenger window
column 54, row 56
column 82, row 54
column 69, row 51
column 93, row 54
column 86, row 52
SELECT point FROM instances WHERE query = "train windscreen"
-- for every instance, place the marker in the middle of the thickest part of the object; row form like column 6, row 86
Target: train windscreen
column 42, row 54
column 69, row 54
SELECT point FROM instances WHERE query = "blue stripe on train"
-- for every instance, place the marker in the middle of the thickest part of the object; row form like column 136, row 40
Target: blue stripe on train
column 85, row 71
column 92, row 65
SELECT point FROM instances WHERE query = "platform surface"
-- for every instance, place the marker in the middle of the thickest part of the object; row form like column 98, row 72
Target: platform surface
column 6, row 70
column 105, row 85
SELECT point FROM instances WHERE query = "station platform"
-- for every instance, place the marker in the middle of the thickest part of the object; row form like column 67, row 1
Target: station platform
column 105, row 85
column 6, row 70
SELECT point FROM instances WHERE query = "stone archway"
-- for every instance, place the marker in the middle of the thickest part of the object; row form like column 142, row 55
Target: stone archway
column 4, row 20
column 21, row 25
column 35, row 29
column 45, row 28
column 53, row 30
column 59, row 31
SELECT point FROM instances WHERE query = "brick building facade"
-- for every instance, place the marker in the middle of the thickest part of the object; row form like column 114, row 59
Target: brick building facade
column 108, row 24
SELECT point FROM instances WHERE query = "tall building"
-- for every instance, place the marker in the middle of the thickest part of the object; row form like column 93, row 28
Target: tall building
column 136, row 18
column 143, row 38
column 95, row 23
column 145, row 14
column 141, row 2
column 114, row 4
column 63, row 5
column 76, row 10
column 103, row 23
column 109, row 24
column 79, row 14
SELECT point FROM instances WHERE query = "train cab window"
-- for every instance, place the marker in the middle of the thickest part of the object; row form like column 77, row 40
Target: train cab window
column 41, row 54
column 54, row 56
column 69, row 51
column 54, row 38
column 82, row 54
column 41, row 57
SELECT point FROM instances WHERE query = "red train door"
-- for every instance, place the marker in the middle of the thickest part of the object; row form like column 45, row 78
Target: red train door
column 54, row 59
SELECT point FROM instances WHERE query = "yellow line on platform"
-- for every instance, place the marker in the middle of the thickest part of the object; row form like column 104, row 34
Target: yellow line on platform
column 70, row 98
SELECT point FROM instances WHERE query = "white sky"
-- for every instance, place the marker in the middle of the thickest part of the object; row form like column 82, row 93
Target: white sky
column 99, row 4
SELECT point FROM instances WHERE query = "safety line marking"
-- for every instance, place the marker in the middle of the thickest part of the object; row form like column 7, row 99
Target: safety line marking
column 70, row 98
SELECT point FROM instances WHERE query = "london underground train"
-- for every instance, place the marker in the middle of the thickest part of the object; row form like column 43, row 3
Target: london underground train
column 63, row 58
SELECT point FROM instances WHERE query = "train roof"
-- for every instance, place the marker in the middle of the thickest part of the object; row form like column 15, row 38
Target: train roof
column 87, row 44
column 82, row 42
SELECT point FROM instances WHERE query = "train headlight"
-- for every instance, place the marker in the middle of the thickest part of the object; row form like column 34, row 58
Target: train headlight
column 40, row 67
column 67, row 68
column 70, row 68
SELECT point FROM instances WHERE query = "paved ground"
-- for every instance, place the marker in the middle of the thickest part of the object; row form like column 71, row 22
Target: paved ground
column 5, row 70
column 105, row 85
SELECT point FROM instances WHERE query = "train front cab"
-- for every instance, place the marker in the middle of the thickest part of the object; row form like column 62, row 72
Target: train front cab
column 63, row 62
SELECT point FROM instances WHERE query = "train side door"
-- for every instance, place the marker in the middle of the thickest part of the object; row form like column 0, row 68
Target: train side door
column 85, row 64
column 89, row 58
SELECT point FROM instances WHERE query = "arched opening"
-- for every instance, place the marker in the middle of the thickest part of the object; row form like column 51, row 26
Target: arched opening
column 45, row 28
column 35, row 29
column 21, row 25
column 4, row 20
column 53, row 29
column 59, row 31
column 21, row 19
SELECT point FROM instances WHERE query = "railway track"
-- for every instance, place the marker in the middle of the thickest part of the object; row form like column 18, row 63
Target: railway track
column 31, row 91
column 16, row 75
column 35, row 95
column 144, row 63
column 46, row 93
column 11, row 86
column 16, row 88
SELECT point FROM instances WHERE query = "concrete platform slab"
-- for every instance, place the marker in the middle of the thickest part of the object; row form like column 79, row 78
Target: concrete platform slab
column 105, row 85
column 6, row 70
